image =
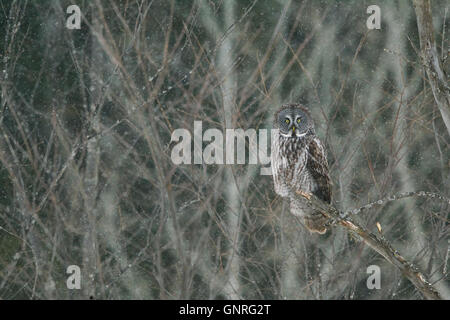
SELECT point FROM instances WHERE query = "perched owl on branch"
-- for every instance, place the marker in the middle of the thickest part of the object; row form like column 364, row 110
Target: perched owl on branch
column 299, row 164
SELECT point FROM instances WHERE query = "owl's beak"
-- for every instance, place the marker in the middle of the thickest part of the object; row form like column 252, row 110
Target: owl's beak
column 293, row 129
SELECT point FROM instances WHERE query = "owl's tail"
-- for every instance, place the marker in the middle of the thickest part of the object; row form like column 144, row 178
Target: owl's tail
column 313, row 219
column 315, row 222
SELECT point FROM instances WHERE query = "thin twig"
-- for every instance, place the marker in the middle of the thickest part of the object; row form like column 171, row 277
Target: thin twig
column 382, row 202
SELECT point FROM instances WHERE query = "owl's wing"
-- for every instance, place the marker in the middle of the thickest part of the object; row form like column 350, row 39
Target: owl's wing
column 317, row 166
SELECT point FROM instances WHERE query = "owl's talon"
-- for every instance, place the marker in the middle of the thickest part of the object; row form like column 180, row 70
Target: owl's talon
column 304, row 194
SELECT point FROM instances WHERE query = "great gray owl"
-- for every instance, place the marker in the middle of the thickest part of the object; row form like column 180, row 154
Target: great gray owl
column 299, row 164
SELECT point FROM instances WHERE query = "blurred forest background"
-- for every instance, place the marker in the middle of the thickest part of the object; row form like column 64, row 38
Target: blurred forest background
column 86, row 177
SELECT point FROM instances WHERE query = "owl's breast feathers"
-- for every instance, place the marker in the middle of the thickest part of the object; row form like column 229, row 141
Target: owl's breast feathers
column 301, row 163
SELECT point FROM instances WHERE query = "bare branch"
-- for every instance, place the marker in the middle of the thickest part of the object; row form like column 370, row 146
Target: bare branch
column 431, row 61
column 382, row 202
column 379, row 244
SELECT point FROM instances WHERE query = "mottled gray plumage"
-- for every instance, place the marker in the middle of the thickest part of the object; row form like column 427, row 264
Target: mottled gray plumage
column 299, row 163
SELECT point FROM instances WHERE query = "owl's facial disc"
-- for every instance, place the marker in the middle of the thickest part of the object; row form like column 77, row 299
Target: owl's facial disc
column 293, row 122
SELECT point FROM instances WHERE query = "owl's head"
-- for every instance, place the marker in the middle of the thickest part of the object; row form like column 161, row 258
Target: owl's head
column 293, row 120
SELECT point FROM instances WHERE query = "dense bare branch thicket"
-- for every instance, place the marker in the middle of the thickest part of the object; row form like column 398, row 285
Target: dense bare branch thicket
column 87, row 179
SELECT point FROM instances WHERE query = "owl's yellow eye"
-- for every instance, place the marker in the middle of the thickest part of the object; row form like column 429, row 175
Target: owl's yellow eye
column 298, row 120
column 287, row 121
